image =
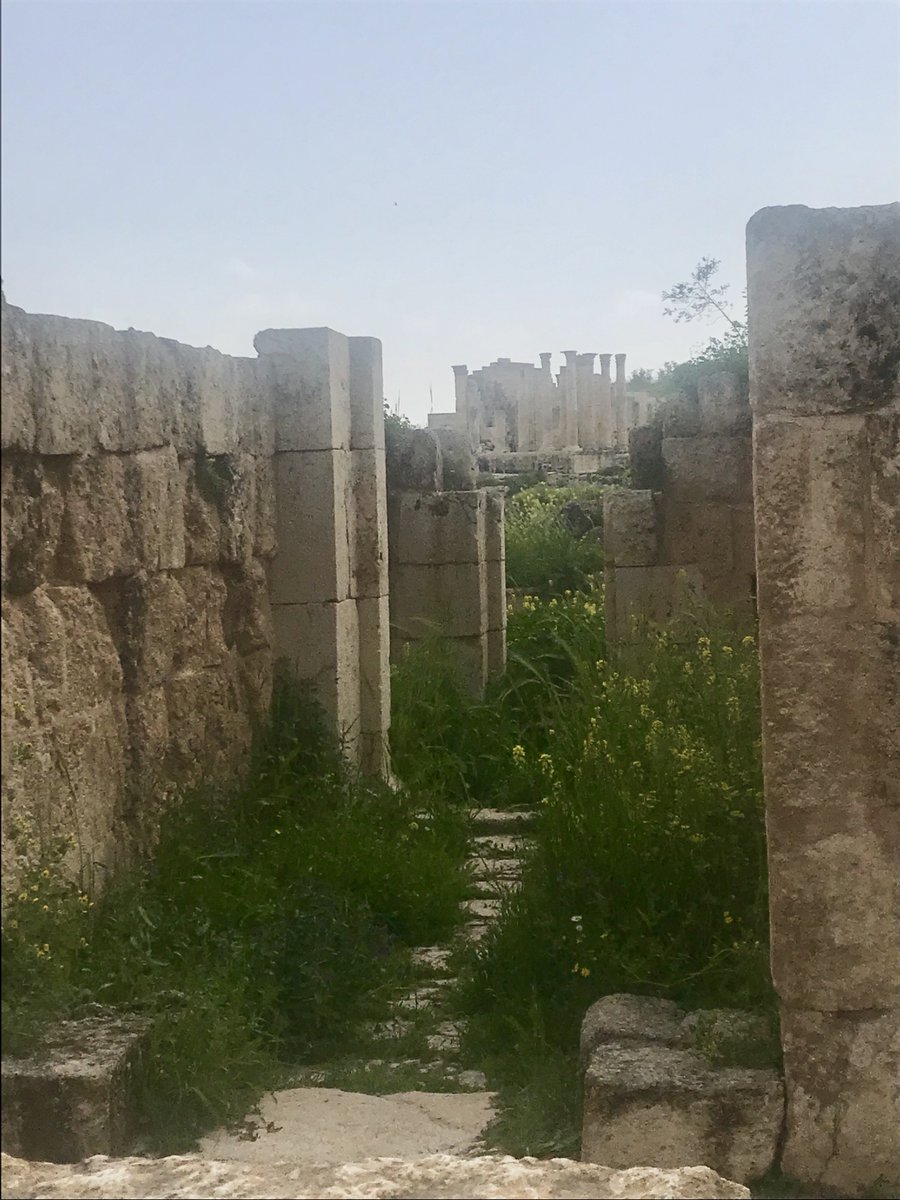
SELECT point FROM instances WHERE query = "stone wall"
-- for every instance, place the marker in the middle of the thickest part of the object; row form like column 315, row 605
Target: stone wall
column 824, row 301
column 173, row 521
column 447, row 553
column 686, row 529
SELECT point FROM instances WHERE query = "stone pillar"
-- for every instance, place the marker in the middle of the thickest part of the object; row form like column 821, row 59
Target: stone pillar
column 587, row 401
column 545, row 426
column 495, row 569
column 570, row 402
column 369, row 551
column 824, row 304
column 606, row 426
column 461, row 388
column 621, row 421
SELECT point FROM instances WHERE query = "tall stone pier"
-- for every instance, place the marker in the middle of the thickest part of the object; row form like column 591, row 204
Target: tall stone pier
column 824, row 303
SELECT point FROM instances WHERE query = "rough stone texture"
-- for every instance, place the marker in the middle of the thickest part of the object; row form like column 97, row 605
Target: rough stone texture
column 824, row 298
column 666, row 1107
column 692, row 517
column 75, row 1100
column 144, row 505
column 435, row 1177
column 447, row 555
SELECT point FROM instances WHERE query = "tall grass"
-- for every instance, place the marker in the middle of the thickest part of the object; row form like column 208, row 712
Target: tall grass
column 272, row 922
column 544, row 553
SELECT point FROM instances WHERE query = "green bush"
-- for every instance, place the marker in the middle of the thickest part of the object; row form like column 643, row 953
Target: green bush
column 272, row 922
column 545, row 554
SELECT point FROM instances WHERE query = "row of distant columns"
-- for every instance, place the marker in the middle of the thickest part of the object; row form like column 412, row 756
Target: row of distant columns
column 591, row 407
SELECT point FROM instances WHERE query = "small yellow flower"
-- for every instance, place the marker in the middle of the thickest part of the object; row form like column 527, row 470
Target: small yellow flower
column 45, row 908
column 23, row 895
column 585, row 971
column 518, row 754
column 729, row 919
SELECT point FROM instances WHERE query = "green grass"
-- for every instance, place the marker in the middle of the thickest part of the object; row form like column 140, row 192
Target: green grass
column 271, row 926
column 544, row 553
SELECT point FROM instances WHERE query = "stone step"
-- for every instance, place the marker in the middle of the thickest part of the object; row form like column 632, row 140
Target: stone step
column 482, row 910
column 424, row 996
column 446, row 1037
column 474, row 931
column 434, row 958
column 502, row 820
column 500, row 845
column 486, row 889
column 494, row 868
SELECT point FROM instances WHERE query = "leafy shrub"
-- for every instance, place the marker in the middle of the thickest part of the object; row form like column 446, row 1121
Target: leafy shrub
column 547, row 551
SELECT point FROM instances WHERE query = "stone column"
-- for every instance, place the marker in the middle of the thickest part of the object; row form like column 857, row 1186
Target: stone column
column 606, row 426
column 461, row 388
column 570, row 402
column 621, row 422
column 314, row 613
column 824, row 303
column 495, row 571
column 369, row 551
column 587, row 401
column 545, row 428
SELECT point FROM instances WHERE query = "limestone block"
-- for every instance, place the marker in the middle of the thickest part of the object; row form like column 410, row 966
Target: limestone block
column 16, row 364
column 264, row 542
column 883, row 547
column 202, row 491
column 743, row 539
column 33, row 506
column 147, row 717
column 157, row 626
column 256, row 673
column 645, row 456
column 247, row 612
column 813, row 507
column 843, row 1098
column 707, row 468
column 447, row 598
column 156, row 502
column 680, row 417
column 92, row 668
column 495, row 527
column 99, row 537
column 312, row 527
column 255, row 408
column 78, row 1099
column 369, row 535
column 701, row 534
column 457, row 460
column 307, row 373
column 667, row 1108
column 624, row 1018
column 239, row 523
column 198, row 621
column 637, row 594
column 824, row 309
column 216, row 395
column 429, row 1178
column 374, row 682
column 472, row 655
column 824, row 931
column 724, row 405
column 209, row 734
column 629, row 529
column 366, row 394
column 320, row 642
column 414, row 461
column 447, row 527
column 496, row 652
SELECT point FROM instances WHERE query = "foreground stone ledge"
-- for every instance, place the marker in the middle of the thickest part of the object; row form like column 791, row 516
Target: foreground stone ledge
column 437, row 1177
column 75, row 1099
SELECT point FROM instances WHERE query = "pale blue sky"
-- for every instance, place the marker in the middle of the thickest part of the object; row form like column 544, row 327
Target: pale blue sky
column 462, row 180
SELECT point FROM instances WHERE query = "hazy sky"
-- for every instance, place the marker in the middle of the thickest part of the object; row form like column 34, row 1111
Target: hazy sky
column 462, row 180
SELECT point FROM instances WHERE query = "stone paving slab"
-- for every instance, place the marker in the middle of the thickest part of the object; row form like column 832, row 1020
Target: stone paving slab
column 502, row 820
column 500, row 845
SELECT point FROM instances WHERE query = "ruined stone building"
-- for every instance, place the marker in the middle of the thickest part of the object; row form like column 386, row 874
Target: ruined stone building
column 517, row 408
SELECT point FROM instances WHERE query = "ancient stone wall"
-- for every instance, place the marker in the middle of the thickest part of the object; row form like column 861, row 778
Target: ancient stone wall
column 685, row 531
column 824, row 301
column 447, row 553
column 173, row 521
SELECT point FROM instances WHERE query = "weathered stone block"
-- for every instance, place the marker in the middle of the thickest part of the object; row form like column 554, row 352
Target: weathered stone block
column 16, row 395
column 265, row 543
column 698, row 469
column 366, row 394
column 448, row 527
column 209, row 733
column 814, row 507
column 414, row 461
column 308, row 377
column 156, row 502
column 700, row 534
column 151, row 620
column 457, row 459
column 78, row 1100
column 369, row 534
column 629, row 529
column 645, row 456
column 680, row 417
column 667, row 1108
column 239, row 524
column 447, row 598
column 374, row 682
column 495, row 526
column 638, row 594
column 823, row 288
column 247, row 613
column 320, row 642
column 33, row 506
column 203, row 492
column 883, row 546
column 98, row 536
column 312, row 527
column 197, row 629
column 724, row 405
column 624, row 1018
column 843, row 1099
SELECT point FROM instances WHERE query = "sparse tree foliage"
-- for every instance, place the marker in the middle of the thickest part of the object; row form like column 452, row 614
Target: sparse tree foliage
column 699, row 296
